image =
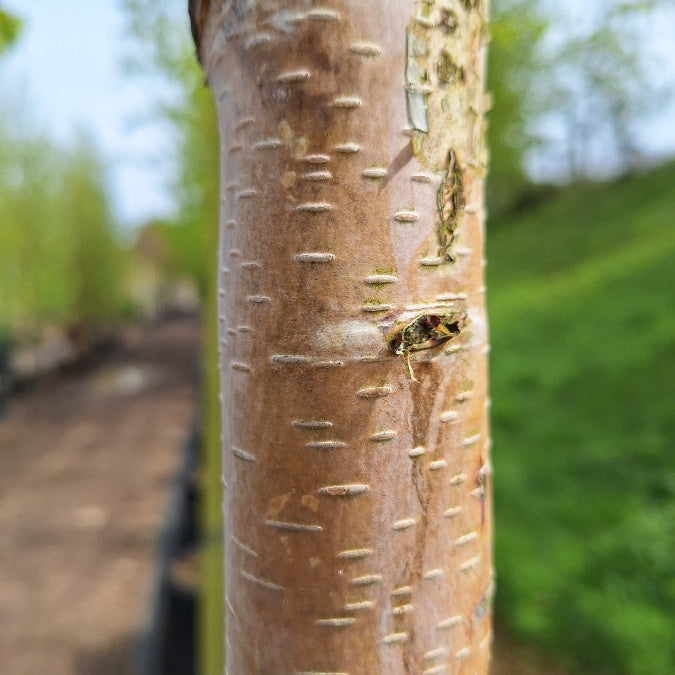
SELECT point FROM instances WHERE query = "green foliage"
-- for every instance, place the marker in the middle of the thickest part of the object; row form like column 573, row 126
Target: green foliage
column 59, row 260
column 582, row 371
column 165, row 48
column 10, row 27
column 95, row 259
column 197, row 189
column 514, row 65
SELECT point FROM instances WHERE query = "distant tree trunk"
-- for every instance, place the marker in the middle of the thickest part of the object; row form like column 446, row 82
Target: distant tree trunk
column 353, row 343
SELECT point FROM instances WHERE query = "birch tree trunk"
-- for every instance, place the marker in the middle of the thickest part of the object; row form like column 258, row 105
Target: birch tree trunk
column 353, row 343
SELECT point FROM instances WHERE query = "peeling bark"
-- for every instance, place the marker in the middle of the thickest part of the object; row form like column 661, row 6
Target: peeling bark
column 357, row 500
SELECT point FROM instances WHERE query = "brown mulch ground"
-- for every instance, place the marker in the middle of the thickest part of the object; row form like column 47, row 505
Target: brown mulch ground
column 86, row 464
column 87, row 460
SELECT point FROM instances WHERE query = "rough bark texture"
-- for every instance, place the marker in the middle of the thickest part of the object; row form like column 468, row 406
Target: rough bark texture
column 357, row 504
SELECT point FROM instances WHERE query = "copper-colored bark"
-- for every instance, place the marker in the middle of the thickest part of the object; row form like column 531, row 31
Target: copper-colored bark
column 357, row 505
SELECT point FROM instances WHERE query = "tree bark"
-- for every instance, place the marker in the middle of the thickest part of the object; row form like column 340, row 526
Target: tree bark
column 353, row 342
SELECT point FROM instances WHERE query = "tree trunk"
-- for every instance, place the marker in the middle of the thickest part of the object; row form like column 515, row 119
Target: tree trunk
column 353, row 339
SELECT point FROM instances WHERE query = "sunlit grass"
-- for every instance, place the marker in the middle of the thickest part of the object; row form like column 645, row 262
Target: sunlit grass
column 581, row 292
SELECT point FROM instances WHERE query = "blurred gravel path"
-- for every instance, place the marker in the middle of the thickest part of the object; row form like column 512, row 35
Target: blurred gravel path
column 86, row 463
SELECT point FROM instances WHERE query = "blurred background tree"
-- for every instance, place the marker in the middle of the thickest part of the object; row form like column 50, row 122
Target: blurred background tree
column 163, row 48
column 573, row 88
column 60, row 261
column 10, row 27
column 515, row 66
column 600, row 87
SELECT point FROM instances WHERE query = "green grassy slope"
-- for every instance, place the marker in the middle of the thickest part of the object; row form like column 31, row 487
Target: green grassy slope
column 582, row 298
